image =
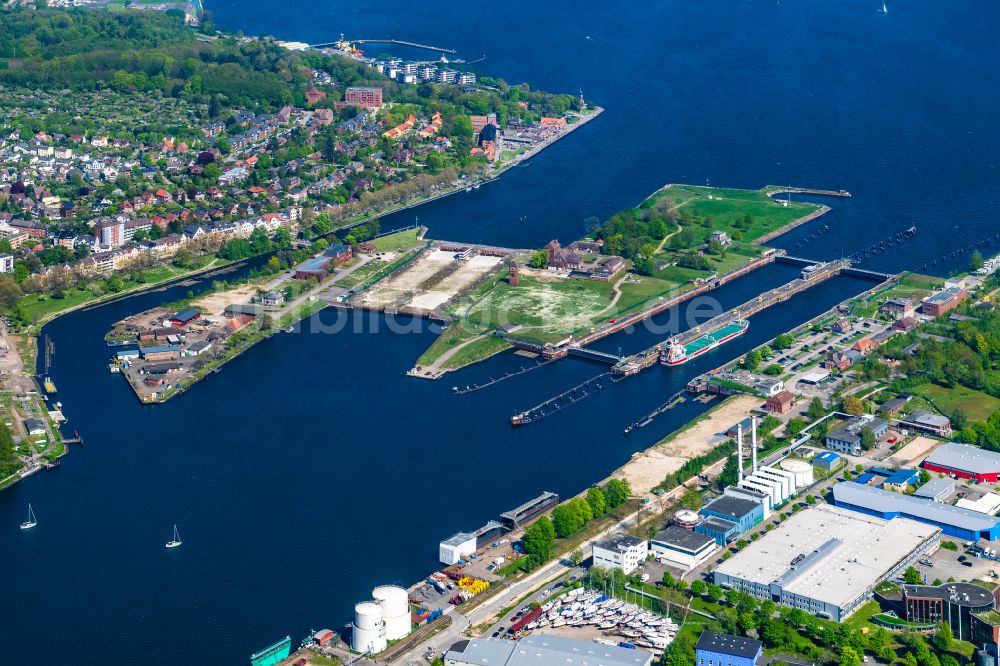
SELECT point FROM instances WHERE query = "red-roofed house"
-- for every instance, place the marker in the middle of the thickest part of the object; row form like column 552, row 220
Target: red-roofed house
column 314, row 96
column 864, row 345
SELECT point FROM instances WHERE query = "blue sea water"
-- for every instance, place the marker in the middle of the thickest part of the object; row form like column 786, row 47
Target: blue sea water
column 310, row 470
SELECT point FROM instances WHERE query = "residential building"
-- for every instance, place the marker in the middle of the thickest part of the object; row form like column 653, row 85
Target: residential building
column 781, row 402
column 826, row 560
column 620, row 551
column 110, row 233
column 721, row 237
column 370, row 98
column 6, row 263
column 848, row 438
column 714, row 649
column 927, row 423
column 897, row 308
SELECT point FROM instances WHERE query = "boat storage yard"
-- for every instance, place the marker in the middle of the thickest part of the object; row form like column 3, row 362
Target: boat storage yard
column 614, row 618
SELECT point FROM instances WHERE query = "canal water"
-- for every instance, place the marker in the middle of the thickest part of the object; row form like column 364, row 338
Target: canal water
column 310, row 469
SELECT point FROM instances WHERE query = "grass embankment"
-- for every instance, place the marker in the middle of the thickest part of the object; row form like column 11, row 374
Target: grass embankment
column 401, row 240
column 976, row 405
column 42, row 308
column 728, row 207
column 476, row 351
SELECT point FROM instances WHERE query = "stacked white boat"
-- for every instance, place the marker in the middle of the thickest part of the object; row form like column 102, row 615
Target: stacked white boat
column 580, row 608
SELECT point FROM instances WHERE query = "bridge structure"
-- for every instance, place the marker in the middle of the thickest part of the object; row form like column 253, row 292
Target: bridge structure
column 593, row 355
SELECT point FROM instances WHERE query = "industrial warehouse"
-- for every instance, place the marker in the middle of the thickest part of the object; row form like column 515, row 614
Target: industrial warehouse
column 954, row 521
column 826, row 560
column 964, row 462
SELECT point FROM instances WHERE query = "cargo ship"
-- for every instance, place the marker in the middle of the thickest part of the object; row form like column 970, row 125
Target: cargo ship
column 674, row 353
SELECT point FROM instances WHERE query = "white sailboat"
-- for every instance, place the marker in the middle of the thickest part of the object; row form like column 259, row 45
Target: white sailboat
column 885, row 10
column 176, row 541
column 31, row 521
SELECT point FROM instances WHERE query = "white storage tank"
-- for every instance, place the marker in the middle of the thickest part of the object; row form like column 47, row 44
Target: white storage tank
column 395, row 610
column 368, row 632
column 687, row 519
column 802, row 470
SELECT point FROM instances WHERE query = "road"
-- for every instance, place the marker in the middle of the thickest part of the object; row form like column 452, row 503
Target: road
column 536, row 580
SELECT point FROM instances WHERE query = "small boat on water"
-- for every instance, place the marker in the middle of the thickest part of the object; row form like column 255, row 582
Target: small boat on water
column 31, row 521
column 176, row 541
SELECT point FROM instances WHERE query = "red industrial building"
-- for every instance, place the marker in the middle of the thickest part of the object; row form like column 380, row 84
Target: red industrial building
column 943, row 301
column 964, row 462
column 183, row 318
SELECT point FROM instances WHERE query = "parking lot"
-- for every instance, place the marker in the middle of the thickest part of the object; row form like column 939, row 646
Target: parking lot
column 960, row 565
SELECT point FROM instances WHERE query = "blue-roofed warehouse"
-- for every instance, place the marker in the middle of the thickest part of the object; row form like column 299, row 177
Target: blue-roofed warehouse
column 952, row 520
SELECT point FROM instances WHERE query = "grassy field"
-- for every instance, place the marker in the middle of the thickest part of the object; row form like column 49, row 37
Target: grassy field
column 35, row 307
column 977, row 405
column 401, row 240
column 913, row 286
column 477, row 351
column 450, row 338
column 546, row 310
column 727, row 206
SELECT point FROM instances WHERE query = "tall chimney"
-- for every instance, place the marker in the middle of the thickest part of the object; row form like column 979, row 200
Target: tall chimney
column 739, row 451
column 753, row 441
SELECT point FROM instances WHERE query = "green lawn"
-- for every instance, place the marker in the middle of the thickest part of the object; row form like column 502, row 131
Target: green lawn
column 548, row 311
column 477, row 351
column 679, row 274
column 36, row 306
column 977, row 405
column 726, row 206
column 455, row 335
column 401, row 240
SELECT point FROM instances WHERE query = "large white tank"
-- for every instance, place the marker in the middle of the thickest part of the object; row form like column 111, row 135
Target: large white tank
column 395, row 610
column 802, row 470
column 392, row 599
column 686, row 519
column 368, row 632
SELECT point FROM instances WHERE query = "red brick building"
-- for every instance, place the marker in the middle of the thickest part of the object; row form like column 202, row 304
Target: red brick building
column 943, row 301
column 781, row 402
column 367, row 97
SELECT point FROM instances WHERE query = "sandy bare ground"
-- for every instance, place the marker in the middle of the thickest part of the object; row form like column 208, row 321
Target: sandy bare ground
column 390, row 291
column 912, row 452
column 648, row 468
column 213, row 305
column 469, row 272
